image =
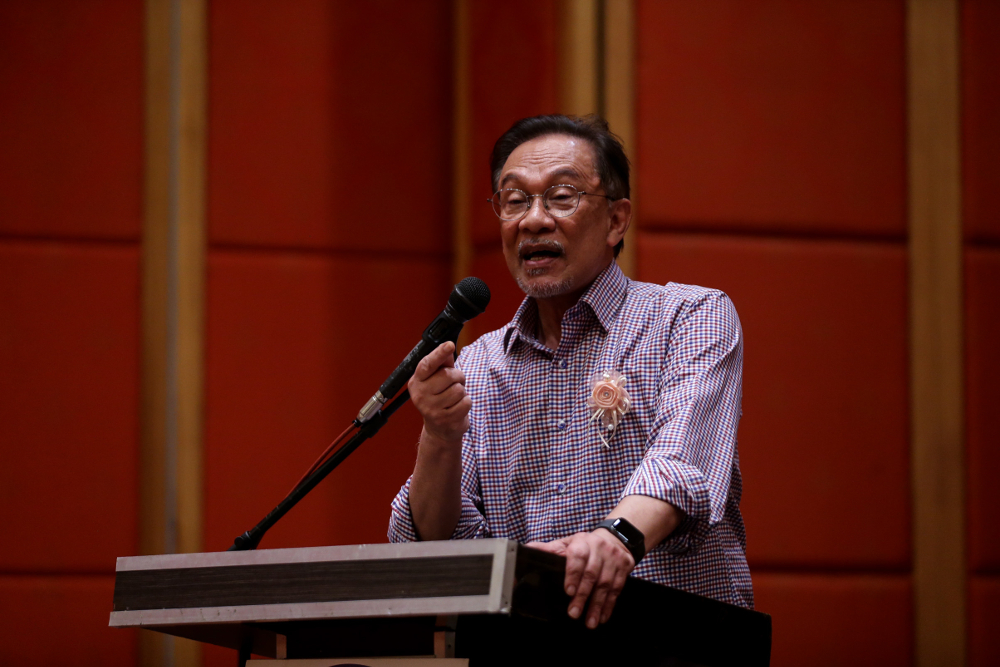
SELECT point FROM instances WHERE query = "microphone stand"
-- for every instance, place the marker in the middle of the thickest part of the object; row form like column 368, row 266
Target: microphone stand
column 250, row 539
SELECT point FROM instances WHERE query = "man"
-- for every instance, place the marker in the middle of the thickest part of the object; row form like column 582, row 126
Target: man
column 512, row 447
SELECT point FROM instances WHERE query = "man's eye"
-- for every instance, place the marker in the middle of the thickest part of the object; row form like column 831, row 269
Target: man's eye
column 514, row 200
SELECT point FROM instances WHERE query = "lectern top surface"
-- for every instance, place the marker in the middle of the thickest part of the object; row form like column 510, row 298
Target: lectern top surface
column 352, row 552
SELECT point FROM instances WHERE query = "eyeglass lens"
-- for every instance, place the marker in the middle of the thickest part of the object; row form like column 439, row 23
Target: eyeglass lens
column 559, row 201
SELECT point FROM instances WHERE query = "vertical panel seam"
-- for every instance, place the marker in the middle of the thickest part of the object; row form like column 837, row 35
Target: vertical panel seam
column 937, row 440
column 173, row 292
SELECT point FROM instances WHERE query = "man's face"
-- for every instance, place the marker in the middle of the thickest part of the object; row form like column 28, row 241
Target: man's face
column 551, row 256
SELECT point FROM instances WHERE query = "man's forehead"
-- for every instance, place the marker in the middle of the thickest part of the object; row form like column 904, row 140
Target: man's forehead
column 550, row 155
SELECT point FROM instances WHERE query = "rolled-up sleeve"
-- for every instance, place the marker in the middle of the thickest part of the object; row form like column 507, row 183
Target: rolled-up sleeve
column 689, row 457
column 471, row 523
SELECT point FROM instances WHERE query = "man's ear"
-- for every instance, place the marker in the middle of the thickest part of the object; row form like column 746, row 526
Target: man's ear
column 621, row 218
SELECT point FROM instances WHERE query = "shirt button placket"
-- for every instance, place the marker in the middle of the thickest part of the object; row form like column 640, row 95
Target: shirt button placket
column 560, row 404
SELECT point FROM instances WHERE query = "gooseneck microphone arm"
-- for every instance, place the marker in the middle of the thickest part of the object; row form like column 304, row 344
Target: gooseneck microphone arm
column 250, row 539
column 469, row 298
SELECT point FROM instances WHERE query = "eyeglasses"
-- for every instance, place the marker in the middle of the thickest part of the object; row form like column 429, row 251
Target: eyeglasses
column 559, row 201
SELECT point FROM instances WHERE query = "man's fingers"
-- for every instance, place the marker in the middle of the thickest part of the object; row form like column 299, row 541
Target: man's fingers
column 596, row 605
column 555, row 547
column 444, row 378
column 614, row 589
column 609, row 606
column 604, row 587
column 437, row 384
column 590, row 576
column 576, row 561
column 451, row 396
column 442, row 356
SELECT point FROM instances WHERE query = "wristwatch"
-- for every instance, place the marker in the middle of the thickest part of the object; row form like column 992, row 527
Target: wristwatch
column 631, row 537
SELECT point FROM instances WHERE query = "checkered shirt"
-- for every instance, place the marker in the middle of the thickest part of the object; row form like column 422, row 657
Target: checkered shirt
column 534, row 466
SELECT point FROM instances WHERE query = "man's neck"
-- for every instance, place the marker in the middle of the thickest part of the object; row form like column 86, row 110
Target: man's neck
column 550, row 314
column 551, row 311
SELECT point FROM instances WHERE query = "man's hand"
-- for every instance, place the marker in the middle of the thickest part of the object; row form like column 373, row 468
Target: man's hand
column 597, row 564
column 437, row 390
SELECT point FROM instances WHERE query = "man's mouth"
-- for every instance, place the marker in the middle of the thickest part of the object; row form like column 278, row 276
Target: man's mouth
column 539, row 253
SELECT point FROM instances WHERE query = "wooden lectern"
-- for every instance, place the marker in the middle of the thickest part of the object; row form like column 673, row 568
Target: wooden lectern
column 492, row 601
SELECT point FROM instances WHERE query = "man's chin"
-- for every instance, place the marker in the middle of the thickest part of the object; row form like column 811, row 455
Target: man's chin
column 543, row 287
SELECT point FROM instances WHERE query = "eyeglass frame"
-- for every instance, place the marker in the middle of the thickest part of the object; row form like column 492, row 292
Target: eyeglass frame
column 580, row 194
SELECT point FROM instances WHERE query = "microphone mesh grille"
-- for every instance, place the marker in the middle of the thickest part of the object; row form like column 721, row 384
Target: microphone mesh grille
column 476, row 291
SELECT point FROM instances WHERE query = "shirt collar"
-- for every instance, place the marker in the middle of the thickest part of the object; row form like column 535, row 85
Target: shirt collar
column 604, row 297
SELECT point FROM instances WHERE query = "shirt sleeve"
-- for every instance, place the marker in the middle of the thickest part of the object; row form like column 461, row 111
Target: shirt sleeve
column 471, row 523
column 689, row 457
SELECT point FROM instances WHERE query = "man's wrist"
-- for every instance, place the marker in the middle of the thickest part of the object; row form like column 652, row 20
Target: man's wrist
column 434, row 444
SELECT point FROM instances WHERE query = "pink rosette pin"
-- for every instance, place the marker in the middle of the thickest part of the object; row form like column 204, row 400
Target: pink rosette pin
column 608, row 402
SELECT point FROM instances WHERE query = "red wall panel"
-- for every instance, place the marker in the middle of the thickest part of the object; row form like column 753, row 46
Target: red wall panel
column 772, row 115
column 511, row 41
column 61, row 620
column 329, row 124
column 984, row 619
column 505, row 295
column 981, row 118
column 71, row 118
column 295, row 345
column 514, row 63
column 982, row 322
column 69, row 354
column 823, row 438
column 837, row 620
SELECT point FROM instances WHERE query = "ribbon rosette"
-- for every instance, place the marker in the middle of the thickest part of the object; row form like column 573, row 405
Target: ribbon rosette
column 608, row 401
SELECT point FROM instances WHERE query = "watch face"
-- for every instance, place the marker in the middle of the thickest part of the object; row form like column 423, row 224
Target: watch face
column 627, row 530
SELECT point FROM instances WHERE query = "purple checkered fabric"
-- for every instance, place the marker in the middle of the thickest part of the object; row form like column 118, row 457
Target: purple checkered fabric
column 534, row 466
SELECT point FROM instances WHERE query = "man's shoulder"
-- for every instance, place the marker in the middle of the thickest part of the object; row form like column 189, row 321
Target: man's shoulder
column 677, row 297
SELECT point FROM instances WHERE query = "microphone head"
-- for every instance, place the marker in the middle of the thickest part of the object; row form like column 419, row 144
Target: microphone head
column 469, row 298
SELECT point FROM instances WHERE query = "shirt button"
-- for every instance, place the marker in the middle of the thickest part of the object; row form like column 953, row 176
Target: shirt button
column 563, row 364
column 560, row 489
column 562, row 424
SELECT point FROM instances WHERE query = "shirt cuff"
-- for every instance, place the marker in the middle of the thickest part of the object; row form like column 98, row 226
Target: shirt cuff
column 401, row 526
column 684, row 487
column 471, row 524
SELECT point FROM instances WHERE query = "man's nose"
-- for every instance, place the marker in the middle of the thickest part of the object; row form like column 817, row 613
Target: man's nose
column 537, row 218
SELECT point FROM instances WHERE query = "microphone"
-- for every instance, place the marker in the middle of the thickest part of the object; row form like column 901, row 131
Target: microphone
column 469, row 298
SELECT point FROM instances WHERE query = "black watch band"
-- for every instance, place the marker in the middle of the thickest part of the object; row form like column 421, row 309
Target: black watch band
column 630, row 536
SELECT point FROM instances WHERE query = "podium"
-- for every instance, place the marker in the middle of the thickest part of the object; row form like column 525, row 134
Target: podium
column 492, row 601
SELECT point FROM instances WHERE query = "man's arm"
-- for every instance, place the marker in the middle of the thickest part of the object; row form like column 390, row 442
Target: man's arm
column 437, row 389
column 686, row 468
